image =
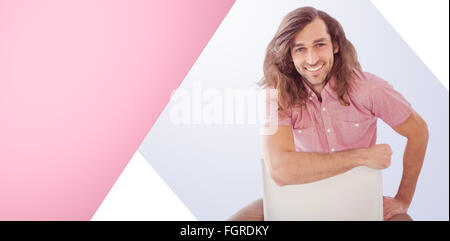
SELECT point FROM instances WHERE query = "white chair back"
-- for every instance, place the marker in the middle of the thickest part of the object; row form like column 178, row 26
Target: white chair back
column 353, row 195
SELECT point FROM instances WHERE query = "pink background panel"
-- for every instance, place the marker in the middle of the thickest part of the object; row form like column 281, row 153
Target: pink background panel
column 81, row 84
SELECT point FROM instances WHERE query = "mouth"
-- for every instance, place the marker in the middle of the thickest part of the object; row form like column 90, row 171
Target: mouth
column 314, row 70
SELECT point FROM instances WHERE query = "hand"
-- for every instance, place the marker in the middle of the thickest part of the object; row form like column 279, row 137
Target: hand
column 378, row 156
column 393, row 206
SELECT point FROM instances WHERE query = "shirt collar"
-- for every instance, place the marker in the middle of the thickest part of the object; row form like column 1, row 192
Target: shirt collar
column 328, row 87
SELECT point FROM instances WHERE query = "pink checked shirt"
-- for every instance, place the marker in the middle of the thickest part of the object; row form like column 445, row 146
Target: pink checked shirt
column 328, row 126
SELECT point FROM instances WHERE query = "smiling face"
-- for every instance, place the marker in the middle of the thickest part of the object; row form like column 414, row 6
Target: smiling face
column 313, row 53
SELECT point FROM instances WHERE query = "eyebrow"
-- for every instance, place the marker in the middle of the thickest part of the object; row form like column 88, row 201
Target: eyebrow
column 315, row 41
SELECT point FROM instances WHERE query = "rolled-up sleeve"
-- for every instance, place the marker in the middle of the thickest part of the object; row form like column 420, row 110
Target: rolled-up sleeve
column 273, row 115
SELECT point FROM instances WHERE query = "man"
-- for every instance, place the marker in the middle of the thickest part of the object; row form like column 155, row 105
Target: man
column 328, row 111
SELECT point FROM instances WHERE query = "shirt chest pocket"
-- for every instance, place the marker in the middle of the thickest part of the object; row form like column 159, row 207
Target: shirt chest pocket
column 356, row 131
column 306, row 140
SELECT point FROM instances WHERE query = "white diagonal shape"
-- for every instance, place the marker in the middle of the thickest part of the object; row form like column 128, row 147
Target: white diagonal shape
column 140, row 194
column 424, row 26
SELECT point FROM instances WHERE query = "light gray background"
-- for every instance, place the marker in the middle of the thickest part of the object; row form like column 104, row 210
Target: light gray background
column 215, row 169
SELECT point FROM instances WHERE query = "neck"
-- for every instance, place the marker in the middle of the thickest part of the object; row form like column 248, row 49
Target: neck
column 317, row 88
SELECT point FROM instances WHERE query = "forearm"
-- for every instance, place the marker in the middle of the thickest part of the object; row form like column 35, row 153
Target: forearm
column 305, row 167
column 412, row 164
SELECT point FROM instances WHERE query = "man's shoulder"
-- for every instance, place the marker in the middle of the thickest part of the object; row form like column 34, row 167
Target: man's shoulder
column 364, row 81
column 365, row 77
column 362, row 77
column 361, row 81
column 361, row 88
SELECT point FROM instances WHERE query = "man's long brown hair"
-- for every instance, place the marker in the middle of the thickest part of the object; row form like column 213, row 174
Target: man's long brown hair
column 280, row 72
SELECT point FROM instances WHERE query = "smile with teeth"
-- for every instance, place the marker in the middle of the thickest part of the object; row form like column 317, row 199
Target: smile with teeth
column 314, row 69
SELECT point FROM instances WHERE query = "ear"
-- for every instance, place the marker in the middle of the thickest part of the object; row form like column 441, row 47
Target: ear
column 335, row 48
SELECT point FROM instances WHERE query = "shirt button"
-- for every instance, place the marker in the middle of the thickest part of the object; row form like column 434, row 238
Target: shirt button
column 323, row 109
column 357, row 124
column 328, row 130
column 332, row 149
column 299, row 131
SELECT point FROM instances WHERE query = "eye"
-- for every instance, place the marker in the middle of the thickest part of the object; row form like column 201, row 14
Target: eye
column 320, row 45
column 299, row 50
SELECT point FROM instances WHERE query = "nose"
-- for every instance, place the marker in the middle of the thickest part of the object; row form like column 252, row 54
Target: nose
column 311, row 58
